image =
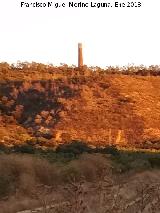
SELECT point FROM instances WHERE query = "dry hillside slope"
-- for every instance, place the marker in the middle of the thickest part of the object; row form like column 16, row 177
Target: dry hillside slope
column 97, row 108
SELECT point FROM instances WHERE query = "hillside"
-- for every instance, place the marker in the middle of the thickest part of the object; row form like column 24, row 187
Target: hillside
column 52, row 105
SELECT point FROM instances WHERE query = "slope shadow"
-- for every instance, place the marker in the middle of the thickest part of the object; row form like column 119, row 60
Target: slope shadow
column 34, row 104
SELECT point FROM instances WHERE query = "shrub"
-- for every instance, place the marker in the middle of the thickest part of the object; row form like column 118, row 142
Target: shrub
column 26, row 148
column 75, row 147
column 32, row 141
column 89, row 167
column 155, row 162
column 109, row 150
column 23, row 173
column 2, row 148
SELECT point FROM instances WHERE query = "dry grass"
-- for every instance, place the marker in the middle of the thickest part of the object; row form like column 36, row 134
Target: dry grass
column 20, row 177
column 27, row 181
column 85, row 185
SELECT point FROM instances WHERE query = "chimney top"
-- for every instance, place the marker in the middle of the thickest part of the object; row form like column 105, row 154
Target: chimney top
column 80, row 45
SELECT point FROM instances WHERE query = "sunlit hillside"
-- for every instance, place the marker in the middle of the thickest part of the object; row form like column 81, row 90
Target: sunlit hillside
column 49, row 105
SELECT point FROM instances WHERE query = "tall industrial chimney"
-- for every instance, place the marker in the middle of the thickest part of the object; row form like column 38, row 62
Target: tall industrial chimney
column 80, row 55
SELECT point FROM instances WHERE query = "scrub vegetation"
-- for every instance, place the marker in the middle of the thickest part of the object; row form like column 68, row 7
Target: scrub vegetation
column 76, row 178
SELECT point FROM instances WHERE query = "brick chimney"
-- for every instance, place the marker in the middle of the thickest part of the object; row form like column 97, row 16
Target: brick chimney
column 80, row 55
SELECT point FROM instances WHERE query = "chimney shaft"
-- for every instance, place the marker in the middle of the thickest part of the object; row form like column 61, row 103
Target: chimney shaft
column 80, row 55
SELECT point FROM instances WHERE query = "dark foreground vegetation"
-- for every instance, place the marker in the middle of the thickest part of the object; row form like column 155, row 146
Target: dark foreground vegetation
column 65, row 153
column 31, row 177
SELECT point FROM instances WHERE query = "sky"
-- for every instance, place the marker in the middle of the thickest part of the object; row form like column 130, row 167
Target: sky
column 113, row 36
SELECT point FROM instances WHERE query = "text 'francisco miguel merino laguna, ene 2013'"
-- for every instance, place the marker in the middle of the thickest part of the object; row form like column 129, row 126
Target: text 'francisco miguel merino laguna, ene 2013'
column 80, row 4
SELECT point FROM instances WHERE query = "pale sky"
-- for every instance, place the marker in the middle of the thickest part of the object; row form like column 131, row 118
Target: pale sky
column 110, row 36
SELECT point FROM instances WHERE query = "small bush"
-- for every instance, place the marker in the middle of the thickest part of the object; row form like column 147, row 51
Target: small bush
column 75, row 147
column 109, row 150
column 32, row 141
column 155, row 162
column 89, row 167
column 134, row 161
column 3, row 148
column 26, row 148
column 23, row 173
